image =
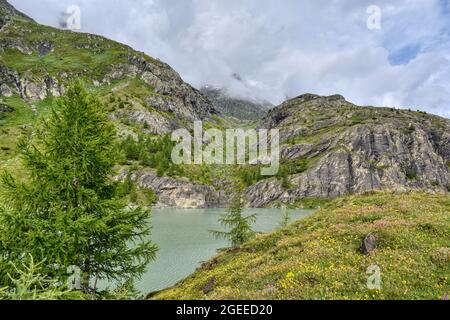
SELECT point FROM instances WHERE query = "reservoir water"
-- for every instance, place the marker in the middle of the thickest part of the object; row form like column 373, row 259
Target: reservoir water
column 184, row 241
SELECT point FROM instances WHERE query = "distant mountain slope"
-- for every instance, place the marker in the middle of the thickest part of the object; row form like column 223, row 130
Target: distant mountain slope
column 238, row 108
column 332, row 148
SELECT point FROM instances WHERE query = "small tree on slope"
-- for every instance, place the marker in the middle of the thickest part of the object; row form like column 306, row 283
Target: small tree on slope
column 67, row 213
column 240, row 227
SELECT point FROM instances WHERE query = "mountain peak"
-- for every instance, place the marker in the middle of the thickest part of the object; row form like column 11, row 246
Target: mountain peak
column 310, row 97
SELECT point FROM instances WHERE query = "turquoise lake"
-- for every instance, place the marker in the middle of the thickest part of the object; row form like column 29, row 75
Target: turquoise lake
column 184, row 241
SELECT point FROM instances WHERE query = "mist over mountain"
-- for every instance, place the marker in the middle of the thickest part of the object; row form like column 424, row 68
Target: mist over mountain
column 232, row 106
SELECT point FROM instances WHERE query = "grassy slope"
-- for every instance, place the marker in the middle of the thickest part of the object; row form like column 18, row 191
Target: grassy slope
column 318, row 258
column 88, row 56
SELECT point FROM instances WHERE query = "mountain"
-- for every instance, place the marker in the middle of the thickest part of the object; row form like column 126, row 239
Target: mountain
column 37, row 62
column 239, row 108
column 144, row 96
column 321, row 257
column 332, row 148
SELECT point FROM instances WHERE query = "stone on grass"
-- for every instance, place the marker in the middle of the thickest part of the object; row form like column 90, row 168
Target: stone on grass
column 209, row 286
column 369, row 244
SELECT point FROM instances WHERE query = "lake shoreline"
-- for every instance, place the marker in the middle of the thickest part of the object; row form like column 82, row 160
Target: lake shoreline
column 185, row 241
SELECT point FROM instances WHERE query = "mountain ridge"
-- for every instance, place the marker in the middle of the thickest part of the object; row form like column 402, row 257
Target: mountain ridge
column 332, row 148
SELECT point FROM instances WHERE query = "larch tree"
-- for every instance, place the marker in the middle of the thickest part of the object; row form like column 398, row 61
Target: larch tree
column 67, row 212
column 239, row 226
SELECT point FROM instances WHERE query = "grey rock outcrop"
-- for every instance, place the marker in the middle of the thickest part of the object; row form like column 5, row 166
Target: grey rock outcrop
column 181, row 193
column 174, row 95
column 5, row 90
column 352, row 149
column 369, row 244
column 45, row 47
column 15, row 44
column 178, row 193
column 28, row 86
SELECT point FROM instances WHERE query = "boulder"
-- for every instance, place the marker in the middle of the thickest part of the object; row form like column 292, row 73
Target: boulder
column 45, row 47
column 209, row 287
column 369, row 244
column 5, row 90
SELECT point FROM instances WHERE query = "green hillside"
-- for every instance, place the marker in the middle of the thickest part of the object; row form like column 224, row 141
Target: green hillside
column 319, row 258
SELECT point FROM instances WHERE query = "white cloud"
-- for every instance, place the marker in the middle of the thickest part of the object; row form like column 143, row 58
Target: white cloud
column 285, row 48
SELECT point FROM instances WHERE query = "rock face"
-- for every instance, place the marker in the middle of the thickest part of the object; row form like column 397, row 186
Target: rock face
column 27, row 86
column 175, row 96
column 178, row 193
column 351, row 149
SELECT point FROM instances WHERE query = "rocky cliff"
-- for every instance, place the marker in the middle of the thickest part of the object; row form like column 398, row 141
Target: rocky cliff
column 349, row 149
column 178, row 193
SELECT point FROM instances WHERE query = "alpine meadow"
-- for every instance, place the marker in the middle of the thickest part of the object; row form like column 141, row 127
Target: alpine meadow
column 282, row 194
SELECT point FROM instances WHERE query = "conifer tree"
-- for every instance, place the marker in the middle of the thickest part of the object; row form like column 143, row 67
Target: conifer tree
column 285, row 218
column 67, row 213
column 240, row 226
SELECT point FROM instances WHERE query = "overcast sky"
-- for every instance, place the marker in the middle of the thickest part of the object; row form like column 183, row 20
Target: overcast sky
column 285, row 48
